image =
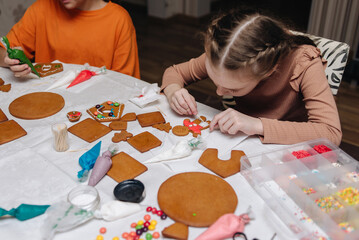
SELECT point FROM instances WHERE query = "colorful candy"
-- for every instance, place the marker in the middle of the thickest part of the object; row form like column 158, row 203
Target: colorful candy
column 156, row 235
column 301, row 154
column 148, row 217
column 328, row 204
column 103, row 230
column 115, row 238
column 354, row 176
column 321, row 149
column 308, row 190
column 349, row 195
column 346, row 227
column 99, row 237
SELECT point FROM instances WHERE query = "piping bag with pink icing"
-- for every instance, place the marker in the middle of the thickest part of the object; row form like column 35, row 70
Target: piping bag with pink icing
column 102, row 165
column 227, row 225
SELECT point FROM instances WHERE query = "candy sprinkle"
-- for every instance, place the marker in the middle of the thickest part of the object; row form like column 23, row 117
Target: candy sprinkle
column 308, row 190
column 328, row 204
column 346, row 227
column 350, row 195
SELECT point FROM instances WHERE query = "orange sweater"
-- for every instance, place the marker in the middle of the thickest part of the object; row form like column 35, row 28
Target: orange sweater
column 104, row 37
column 294, row 104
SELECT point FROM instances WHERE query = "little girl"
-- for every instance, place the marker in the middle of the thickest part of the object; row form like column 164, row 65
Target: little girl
column 277, row 78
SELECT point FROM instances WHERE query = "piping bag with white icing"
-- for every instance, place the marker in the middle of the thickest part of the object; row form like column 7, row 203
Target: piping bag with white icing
column 182, row 149
column 66, row 78
column 115, row 209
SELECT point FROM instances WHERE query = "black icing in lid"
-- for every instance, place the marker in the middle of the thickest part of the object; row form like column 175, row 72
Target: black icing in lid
column 131, row 190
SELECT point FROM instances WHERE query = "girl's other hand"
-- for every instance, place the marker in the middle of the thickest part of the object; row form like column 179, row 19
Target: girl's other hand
column 231, row 121
column 180, row 100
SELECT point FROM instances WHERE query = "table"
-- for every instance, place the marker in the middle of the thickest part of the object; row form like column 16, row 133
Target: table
column 32, row 172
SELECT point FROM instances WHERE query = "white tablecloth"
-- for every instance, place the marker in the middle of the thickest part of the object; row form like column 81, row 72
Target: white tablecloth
column 32, row 172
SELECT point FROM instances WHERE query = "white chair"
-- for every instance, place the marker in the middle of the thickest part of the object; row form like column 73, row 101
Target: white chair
column 336, row 53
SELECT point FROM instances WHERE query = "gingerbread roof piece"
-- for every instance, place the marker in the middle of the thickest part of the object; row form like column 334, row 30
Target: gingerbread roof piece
column 149, row 119
column 118, row 125
column 176, row 231
column 89, row 130
column 223, row 168
column 107, row 111
column 10, row 130
column 125, row 167
column 144, row 142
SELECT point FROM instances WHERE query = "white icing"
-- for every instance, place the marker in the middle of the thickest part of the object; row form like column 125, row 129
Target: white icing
column 114, row 210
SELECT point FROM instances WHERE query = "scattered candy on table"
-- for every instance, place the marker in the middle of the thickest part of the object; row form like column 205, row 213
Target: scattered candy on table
column 328, row 204
column 99, row 237
column 350, row 195
column 103, row 230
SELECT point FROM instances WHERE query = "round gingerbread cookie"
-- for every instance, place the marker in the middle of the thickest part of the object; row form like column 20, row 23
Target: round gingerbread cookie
column 196, row 199
column 180, row 130
column 36, row 105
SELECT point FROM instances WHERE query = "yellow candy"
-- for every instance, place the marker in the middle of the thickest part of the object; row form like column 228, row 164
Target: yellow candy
column 141, row 222
column 115, row 238
column 151, row 227
column 153, row 222
column 99, row 237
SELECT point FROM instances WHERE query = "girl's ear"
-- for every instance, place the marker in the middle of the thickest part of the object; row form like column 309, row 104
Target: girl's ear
column 271, row 71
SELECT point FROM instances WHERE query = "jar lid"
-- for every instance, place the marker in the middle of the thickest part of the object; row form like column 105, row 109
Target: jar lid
column 131, row 190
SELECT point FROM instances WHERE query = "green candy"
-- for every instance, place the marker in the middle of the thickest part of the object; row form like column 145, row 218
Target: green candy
column 99, row 116
column 116, row 104
column 18, row 54
column 139, row 227
column 148, row 236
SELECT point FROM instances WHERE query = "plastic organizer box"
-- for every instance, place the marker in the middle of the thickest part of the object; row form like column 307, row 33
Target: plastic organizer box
column 312, row 187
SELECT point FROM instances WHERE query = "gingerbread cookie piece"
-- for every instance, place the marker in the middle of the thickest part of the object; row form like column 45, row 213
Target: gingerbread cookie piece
column 196, row 199
column 89, row 130
column 149, row 119
column 128, row 117
column 144, row 142
column 3, row 117
column 223, row 168
column 122, row 136
column 46, row 69
column 107, row 111
column 5, row 88
column 118, row 125
column 163, row 127
column 196, row 126
column 74, row 116
column 125, row 167
column 180, row 130
column 36, row 105
column 10, row 130
column 176, row 231
column 1, row 82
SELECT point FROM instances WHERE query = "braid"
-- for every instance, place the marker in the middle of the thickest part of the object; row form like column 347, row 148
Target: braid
column 236, row 41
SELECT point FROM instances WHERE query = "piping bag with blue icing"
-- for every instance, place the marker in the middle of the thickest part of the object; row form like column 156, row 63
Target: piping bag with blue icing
column 87, row 161
column 18, row 54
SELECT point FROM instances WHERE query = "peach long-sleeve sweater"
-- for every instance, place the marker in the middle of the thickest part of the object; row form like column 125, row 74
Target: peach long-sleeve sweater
column 294, row 104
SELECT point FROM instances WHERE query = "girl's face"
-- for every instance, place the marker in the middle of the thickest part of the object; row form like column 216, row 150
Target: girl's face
column 234, row 83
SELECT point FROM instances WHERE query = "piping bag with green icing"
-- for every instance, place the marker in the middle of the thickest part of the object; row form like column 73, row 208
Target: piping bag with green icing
column 25, row 211
column 18, row 54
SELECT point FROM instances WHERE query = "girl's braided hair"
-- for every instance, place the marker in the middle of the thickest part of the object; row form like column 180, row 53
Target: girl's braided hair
column 235, row 41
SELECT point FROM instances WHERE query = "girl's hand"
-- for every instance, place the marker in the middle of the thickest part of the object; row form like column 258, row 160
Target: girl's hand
column 232, row 122
column 180, row 100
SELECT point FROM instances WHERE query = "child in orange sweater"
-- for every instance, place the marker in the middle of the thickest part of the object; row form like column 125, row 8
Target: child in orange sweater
column 75, row 31
column 278, row 80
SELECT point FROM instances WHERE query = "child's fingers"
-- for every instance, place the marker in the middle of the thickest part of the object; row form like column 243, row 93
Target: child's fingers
column 10, row 61
column 191, row 104
column 180, row 109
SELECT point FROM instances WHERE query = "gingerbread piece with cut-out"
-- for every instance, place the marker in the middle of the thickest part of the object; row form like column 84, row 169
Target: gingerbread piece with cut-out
column 122, row 136
column 46, row 69
column 107, row 111
column 163, row 127
column 223, row 168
